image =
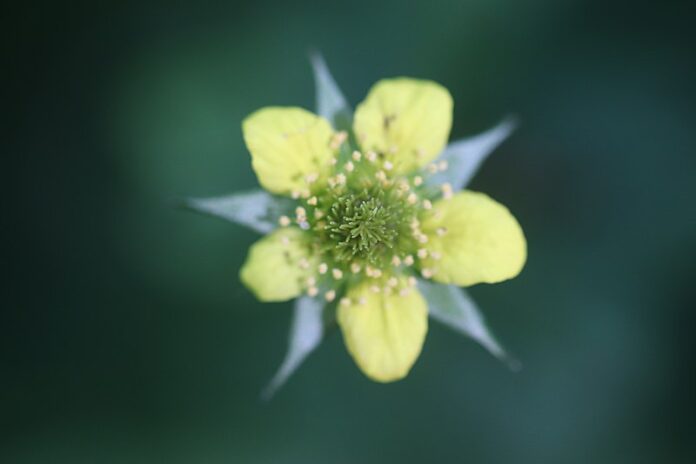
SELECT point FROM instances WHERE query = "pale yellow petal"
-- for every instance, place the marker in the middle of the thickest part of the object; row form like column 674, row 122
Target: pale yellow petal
column 383, row 333
column 278, row 265
column 477, row 240
column 286, row 146
column 407, row 120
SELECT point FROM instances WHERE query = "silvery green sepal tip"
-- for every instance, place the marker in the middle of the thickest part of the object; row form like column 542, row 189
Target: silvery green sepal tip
column 466, row 156
column 257, row 209
column 454, row 307
column 306, row 332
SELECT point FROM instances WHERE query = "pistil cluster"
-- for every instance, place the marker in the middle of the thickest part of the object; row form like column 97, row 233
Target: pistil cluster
column 365, row 223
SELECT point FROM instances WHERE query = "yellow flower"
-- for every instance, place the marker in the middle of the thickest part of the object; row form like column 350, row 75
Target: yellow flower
column 373, row 223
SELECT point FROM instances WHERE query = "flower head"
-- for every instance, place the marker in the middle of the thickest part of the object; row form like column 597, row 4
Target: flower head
column 374, row 218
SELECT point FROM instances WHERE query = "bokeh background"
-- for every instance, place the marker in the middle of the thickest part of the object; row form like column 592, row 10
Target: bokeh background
column 128, row 338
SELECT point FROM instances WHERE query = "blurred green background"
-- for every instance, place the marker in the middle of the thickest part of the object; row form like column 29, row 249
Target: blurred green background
column 128, row 338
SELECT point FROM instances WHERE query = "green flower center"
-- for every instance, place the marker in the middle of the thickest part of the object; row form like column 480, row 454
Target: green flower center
column 365, row 225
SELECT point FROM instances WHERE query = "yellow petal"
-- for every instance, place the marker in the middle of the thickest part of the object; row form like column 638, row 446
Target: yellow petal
column 383, row 333
column 278, row 265
column 408, row 120
column 477, row 238
column 286, row 146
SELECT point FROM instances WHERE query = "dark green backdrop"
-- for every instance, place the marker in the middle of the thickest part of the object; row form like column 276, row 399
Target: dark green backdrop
column 127, row 337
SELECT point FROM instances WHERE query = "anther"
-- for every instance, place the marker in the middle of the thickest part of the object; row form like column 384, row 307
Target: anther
column 388, row 165
column 422, row 253
column 318, row 213
column 375, row 288
column 330, row 295
column 371, row 156
column 404, row 292
column 412, row 199
column 446, row 191
column 417, row 181
column 440, row 231
column 393, row 282
column 408, row 260
column 345, row 301
column 295, row 194
column 340, row 178
column 355, row 268
column 432, row 168
column 427, row 273
column 338, row 139
column 284, row 221
column 300, row 212
column 349, row 166
column 336, row 273
column 412, row 282
column 323, row 268
column 311, row 177
column 356, row 155
column 442, row 165
column 312, row 201
column 381, row 176
column 312, row 291
column 396, row 261
column 427, row 204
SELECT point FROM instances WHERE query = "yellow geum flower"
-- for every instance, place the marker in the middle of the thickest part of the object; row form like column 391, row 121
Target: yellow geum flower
column 372, row 216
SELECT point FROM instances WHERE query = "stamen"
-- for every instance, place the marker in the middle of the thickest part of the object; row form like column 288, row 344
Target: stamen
column 371, row 156
column 284, row 221
column 330, row 295
column 311, row 177
column 337, row 273
column 311, row 281
column 417, row 181
column 396, row 261
column 412, row 281
column 345, row 301
column 312, row 201
column 356, row 155
column 427, row 273
column 408, row 260
column 442, row 165
column 338, row 139
column 381, row 176
column 427, row 204
column 393, row 282
column 422, row 253
column 312, row 291
column 355, row 268
column 349, row 166
column 412, row 199
column 323, row 268
column 388, row 165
